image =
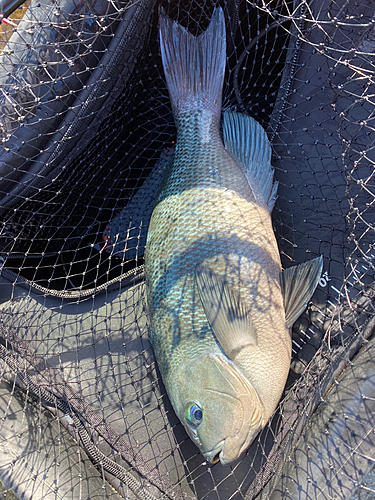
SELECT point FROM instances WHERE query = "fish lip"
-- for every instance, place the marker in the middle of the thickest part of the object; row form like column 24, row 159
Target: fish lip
column 211, row 455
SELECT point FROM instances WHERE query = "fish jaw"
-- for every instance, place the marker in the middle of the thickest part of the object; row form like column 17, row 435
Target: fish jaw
column 232, row 411
column 213, row 456
column 233, row 448
column 229, row 450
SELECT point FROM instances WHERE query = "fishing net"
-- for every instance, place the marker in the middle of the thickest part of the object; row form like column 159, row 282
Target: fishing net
column 87, row 133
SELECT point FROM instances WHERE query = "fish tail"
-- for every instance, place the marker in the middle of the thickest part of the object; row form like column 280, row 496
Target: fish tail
column 194, row 67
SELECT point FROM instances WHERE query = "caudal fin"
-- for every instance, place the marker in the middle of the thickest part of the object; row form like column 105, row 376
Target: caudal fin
column 194, row 66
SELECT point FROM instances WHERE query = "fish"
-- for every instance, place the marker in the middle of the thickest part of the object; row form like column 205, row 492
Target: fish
column 218, row 304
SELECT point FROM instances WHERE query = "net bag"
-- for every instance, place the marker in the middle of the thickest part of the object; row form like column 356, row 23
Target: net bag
column 87, row 135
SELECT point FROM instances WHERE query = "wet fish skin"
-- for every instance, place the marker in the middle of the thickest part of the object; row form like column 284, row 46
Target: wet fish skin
column 206, row 212
column 212, row 266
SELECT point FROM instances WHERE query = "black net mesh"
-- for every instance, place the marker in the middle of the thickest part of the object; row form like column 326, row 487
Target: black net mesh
column 87, row 133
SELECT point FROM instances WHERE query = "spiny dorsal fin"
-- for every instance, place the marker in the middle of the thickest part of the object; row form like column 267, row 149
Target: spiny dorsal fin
column 298, row 284
column 227, row 315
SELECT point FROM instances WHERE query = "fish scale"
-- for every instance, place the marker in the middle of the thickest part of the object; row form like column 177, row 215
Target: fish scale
column 201, row 160
column 199, row 215
column 212, row 267
column 204, row 217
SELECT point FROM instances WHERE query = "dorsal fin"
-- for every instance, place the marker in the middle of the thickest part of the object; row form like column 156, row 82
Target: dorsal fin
column 246, row 139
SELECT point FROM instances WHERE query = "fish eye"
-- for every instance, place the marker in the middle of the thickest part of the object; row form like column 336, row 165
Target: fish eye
column 194, row 414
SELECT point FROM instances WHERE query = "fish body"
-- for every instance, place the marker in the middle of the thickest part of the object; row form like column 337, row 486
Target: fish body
column 214, row 300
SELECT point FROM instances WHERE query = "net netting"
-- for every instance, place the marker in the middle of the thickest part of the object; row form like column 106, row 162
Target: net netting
column 87, row 133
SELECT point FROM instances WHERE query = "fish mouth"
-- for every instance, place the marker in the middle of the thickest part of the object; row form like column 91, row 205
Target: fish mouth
column 226, row 454
column 213, row 456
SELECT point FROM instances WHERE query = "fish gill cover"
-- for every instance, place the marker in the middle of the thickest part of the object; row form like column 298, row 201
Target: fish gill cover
column 87, row 134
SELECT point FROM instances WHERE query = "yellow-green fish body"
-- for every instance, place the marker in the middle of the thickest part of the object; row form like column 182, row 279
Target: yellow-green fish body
column 214, row 299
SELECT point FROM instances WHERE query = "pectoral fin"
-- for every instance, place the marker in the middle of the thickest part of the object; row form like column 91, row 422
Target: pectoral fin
column 228, row 317
column 298, row 283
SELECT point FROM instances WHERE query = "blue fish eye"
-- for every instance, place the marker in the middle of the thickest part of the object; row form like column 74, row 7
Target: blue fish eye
column 194, row 414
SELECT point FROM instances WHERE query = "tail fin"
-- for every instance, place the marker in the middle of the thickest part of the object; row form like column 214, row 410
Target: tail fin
column 194, row 66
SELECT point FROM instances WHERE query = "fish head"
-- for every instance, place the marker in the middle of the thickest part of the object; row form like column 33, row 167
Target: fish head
column 218, row 406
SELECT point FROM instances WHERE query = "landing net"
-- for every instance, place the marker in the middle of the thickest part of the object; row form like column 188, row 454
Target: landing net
column 86, row 134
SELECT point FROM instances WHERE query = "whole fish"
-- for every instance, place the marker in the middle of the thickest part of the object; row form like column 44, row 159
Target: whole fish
column 215, row 300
